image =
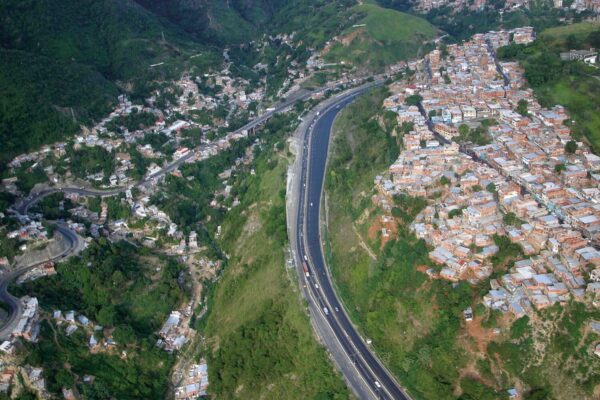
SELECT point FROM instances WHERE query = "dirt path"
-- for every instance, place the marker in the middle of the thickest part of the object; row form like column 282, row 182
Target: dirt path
column 363, row 244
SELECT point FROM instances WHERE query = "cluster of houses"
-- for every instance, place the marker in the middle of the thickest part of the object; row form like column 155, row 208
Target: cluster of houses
column 31, row 232
column 175, row 332
column 28, row 326
column 45, row 269
column 194, row 383
column 577, row 5
column 523, row 183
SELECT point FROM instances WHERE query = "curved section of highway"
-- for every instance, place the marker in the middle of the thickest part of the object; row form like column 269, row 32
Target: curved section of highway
column 367, row 370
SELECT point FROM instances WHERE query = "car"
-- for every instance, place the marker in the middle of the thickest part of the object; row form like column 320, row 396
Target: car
column 316, row 285
column 377, row 385
column 337, row 309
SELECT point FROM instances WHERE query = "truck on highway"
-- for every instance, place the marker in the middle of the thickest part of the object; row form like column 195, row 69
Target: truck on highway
column 305, row 267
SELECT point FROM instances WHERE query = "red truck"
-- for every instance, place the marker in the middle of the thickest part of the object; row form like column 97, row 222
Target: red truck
column 305, row 269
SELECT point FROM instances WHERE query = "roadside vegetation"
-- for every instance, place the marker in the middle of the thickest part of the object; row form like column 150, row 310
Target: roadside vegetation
column 259, row 340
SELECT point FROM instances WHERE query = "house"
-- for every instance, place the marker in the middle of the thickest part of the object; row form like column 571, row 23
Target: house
column 587, row 56
column 468, row 314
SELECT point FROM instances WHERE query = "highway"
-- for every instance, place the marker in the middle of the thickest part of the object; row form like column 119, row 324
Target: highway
column 367, row 371
column 364, row 373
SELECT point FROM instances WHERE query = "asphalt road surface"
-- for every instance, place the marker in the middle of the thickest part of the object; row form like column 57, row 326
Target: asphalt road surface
column 367, row 368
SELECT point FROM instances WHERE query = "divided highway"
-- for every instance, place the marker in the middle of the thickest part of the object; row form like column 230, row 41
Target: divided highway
column 366, row 375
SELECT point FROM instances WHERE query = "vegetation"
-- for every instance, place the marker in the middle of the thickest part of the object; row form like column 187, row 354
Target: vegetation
column 115, row 285
column 522, row 107
column 261, row 341
column 571, row 147
column 462, row 25
column 387, row 37
column 85, row 161
column 478, row 136
column 134, row 121
column 508, row 252
column 352, row 172
column 28, row 175
column 511, row 219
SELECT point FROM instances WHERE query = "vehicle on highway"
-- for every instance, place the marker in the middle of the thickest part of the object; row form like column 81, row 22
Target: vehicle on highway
column 306, row 270
column 325, row 310
column 337, row 309
column 378, row 385
column 316, row 285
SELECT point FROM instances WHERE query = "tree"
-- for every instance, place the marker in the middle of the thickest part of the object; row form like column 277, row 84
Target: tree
column 444, row 50
column 454, row 213
column 413, row 100
column 522, row 107
column 572, row 42
column 407, row 126
column 594, row 39
column 444, row 180
column 491, row 187
column 558, row 168
column 571, row 147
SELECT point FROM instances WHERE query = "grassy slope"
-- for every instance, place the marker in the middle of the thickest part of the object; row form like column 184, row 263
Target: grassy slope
column 389, row 36
column 579, row 93
column 561, row 32
column 263, row 346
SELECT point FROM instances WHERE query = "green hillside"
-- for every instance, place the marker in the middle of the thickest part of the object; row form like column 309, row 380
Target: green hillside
column 40, row 104
column 381, row 37
column 233, row 22
column 260, row 342
column 60, row 65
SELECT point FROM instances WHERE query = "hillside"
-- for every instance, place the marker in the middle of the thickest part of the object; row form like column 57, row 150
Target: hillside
column 260, row 342
column 380, row 37
column 235, row 22
column 94, row 50
column 64, row 66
